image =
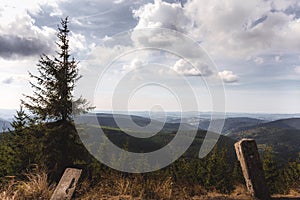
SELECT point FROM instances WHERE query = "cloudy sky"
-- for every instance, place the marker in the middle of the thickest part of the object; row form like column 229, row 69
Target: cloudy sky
column 252, row 47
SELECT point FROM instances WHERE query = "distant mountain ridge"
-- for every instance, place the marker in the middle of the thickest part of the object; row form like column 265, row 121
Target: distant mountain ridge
column 291, row 123
column 234, row 124
column 4, row 125
column 110, row 120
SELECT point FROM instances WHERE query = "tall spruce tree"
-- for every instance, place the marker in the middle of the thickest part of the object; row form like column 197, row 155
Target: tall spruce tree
column 52, row 97
column 20, row 120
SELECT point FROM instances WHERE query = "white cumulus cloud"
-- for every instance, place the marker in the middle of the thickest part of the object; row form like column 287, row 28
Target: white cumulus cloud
column 135, row 63
column 228, row 76
column 259, row 60
column 162, row 15
column 182, row 67
column 242, row 28
column 277, row 59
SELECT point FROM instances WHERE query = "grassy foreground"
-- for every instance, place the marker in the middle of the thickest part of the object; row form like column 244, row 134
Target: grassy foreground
column 120, row 187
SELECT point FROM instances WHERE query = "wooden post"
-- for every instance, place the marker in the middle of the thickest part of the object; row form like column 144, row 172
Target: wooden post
column 67, row 184
column 247, row 153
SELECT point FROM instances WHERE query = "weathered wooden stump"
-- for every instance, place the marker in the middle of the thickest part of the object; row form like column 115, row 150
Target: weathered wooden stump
column 247, row 153
column 67, row 184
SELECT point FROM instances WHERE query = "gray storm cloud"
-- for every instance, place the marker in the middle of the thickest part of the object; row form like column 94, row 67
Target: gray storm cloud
column 12, row 45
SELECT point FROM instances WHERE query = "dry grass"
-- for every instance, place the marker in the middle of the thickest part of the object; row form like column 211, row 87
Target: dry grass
column 293, row 193
column 133, row 187
column 35, row 187
column 9, row 192
column 124, row 188
column 240, row 193
column 121, row 187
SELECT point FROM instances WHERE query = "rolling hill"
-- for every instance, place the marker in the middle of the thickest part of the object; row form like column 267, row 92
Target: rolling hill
column 235, row 124
column 283, row 135
column 134, row 144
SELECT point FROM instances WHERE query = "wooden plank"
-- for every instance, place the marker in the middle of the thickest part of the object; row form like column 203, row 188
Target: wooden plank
column 67, row 184
column 247, row 153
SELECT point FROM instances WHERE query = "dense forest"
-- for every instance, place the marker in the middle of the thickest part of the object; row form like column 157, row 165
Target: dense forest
column 45, row 142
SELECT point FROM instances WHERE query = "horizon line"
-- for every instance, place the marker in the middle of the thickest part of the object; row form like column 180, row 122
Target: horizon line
column 174, row 111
